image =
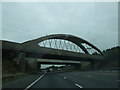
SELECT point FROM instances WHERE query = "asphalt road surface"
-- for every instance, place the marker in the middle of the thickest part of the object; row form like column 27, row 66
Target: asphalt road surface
column 67, row 80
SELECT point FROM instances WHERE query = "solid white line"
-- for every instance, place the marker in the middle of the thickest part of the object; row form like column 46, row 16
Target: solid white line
column 33, row 82
column 79, row 86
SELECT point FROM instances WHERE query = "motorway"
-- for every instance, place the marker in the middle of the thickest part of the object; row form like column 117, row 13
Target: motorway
column 66, row 80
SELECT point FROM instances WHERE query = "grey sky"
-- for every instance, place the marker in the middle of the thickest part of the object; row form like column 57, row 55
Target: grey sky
column 94, row 22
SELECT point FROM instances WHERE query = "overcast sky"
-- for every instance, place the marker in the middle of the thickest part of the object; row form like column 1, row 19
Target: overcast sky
column 94, row 22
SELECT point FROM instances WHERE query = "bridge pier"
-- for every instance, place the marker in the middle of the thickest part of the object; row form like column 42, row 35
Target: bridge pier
column 32, row 65
column 93, row 66
column 38, row 66
column 22, row 62
column 76, row 66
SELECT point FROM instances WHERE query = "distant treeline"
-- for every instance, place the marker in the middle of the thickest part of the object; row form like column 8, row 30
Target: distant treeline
column 112, row 53
column 112, row 57
column 111, row 49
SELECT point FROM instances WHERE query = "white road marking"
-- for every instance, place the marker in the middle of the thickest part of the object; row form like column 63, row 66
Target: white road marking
column 64, row 77
column 118, row 80
column 78, row 85
column 33, row 82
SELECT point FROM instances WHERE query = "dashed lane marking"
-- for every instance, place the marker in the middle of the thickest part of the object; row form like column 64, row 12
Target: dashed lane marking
column 78, row 86
column 65, row 78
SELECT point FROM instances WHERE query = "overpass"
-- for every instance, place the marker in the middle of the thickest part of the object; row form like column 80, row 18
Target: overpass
column 56, row 48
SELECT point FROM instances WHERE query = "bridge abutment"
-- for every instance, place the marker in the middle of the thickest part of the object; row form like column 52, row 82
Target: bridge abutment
column 22, row 62
column 32, row 65
column 77, row 66
column 92, row 66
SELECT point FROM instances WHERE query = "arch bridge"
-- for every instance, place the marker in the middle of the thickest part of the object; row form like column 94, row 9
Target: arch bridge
column 62, row 47
column 53, row 49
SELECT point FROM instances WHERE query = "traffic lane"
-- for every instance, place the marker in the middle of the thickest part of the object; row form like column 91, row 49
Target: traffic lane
column 52, row 80
column 21, row 83
column 108, row 77
column 93, row 80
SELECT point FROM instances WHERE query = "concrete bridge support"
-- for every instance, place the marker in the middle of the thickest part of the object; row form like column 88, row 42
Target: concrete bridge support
column 23, row 62
column 87, row 66
column 92, row 66
column 32, row 65
column 76, row 66
column 38, row 66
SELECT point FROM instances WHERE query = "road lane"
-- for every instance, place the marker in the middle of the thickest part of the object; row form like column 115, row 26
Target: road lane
column 33, row 83
column 67, row 80
column 53, row 80
column 92, row 79
column 21, row 83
